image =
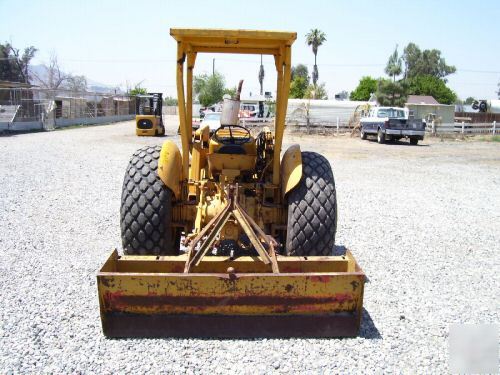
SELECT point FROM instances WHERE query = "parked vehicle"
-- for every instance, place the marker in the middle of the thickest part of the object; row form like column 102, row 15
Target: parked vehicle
column 257, row 109
column 212, row 119
column 148, row 118
column 392, row 124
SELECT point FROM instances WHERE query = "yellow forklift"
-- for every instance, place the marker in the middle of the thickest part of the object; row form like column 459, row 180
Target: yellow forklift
column 148, row 118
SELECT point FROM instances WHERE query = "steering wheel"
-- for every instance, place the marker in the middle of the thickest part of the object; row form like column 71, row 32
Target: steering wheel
column 232, row 140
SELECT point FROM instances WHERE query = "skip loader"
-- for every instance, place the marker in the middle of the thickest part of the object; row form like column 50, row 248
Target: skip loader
column 257, row 227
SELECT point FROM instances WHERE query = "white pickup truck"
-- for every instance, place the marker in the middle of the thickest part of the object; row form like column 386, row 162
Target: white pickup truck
column 392, row 123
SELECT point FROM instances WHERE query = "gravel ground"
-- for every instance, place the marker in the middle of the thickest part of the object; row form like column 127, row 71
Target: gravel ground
column 422, row 221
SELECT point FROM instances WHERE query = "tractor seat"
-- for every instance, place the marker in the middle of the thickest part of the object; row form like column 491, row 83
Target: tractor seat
column 232, row 149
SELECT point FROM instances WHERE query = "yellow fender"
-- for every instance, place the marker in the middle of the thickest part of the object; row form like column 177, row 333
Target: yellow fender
column 203, row 133
column 170, row 167
column 291, row 169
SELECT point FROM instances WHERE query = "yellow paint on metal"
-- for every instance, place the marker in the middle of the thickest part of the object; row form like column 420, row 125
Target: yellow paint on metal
column 234, row 41
column 283, row 63
column 193, row 41
column 291, row 169
column 191, row 58
column 147, row 132
column 170, row 167
column 285, row 293
column 219, row 264
column 218, row 162
column 185, row 128
column 150, row 285
column 249, row 147
column 203, row 133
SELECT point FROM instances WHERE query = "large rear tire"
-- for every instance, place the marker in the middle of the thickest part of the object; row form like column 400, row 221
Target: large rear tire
column 312, row 209
column 146, row 208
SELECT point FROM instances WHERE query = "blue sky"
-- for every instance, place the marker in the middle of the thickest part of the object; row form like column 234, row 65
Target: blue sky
column 116, row 42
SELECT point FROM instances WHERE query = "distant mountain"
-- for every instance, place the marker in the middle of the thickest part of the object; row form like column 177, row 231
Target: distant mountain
column 92, row 86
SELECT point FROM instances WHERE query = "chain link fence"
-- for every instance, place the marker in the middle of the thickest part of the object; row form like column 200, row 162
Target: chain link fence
column 43, row 109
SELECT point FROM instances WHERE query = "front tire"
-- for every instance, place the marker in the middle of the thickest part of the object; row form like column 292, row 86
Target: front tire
column 413, row 141
column 146, row 208
column 362, row 134
column 312, row 209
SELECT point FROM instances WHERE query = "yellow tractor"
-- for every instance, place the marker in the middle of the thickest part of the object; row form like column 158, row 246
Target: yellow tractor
column 148, row 118
column 229, row 238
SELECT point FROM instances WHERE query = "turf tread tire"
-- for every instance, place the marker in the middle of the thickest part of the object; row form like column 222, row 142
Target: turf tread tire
column 312, row 209
column 146, row 207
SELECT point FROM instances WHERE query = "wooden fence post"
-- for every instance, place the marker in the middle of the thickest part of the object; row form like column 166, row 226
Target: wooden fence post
column 494, row 127
column 95, row 106
column 463, row 127
column 337, row 125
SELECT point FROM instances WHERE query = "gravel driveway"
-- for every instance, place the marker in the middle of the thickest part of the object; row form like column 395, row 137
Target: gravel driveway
column 423, row 222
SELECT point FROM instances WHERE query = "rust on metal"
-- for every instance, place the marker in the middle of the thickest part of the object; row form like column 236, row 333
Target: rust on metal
column 118, row 300
column 240, row 293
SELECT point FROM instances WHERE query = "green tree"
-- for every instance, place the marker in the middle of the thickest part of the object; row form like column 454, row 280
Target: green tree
column 14, row 65
column 390, row 93
column 138, row 90
column 426, row 62
column 211, row 88
column 170, row 101
column 300, row 70
column 366, row 86
column 316, row 92
column 298, row 87
column 469, row 100
column 300, row 81
column 315, row 38
column 231, row 91
column 394, row 65
column 431, row 85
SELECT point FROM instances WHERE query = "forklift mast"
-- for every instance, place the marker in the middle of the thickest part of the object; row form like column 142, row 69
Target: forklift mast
column 149, row 104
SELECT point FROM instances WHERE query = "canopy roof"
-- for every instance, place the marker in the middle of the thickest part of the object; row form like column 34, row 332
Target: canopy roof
column 234, row 41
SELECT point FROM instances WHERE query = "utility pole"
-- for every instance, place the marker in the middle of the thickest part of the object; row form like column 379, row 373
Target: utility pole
column 213, row 67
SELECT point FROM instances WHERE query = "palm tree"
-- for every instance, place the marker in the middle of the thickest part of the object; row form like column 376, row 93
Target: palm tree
column 315, row 38
column 261, row 75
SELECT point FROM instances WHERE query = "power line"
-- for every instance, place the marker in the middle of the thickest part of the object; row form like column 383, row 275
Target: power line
column 478, row 71
column 337, row 65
